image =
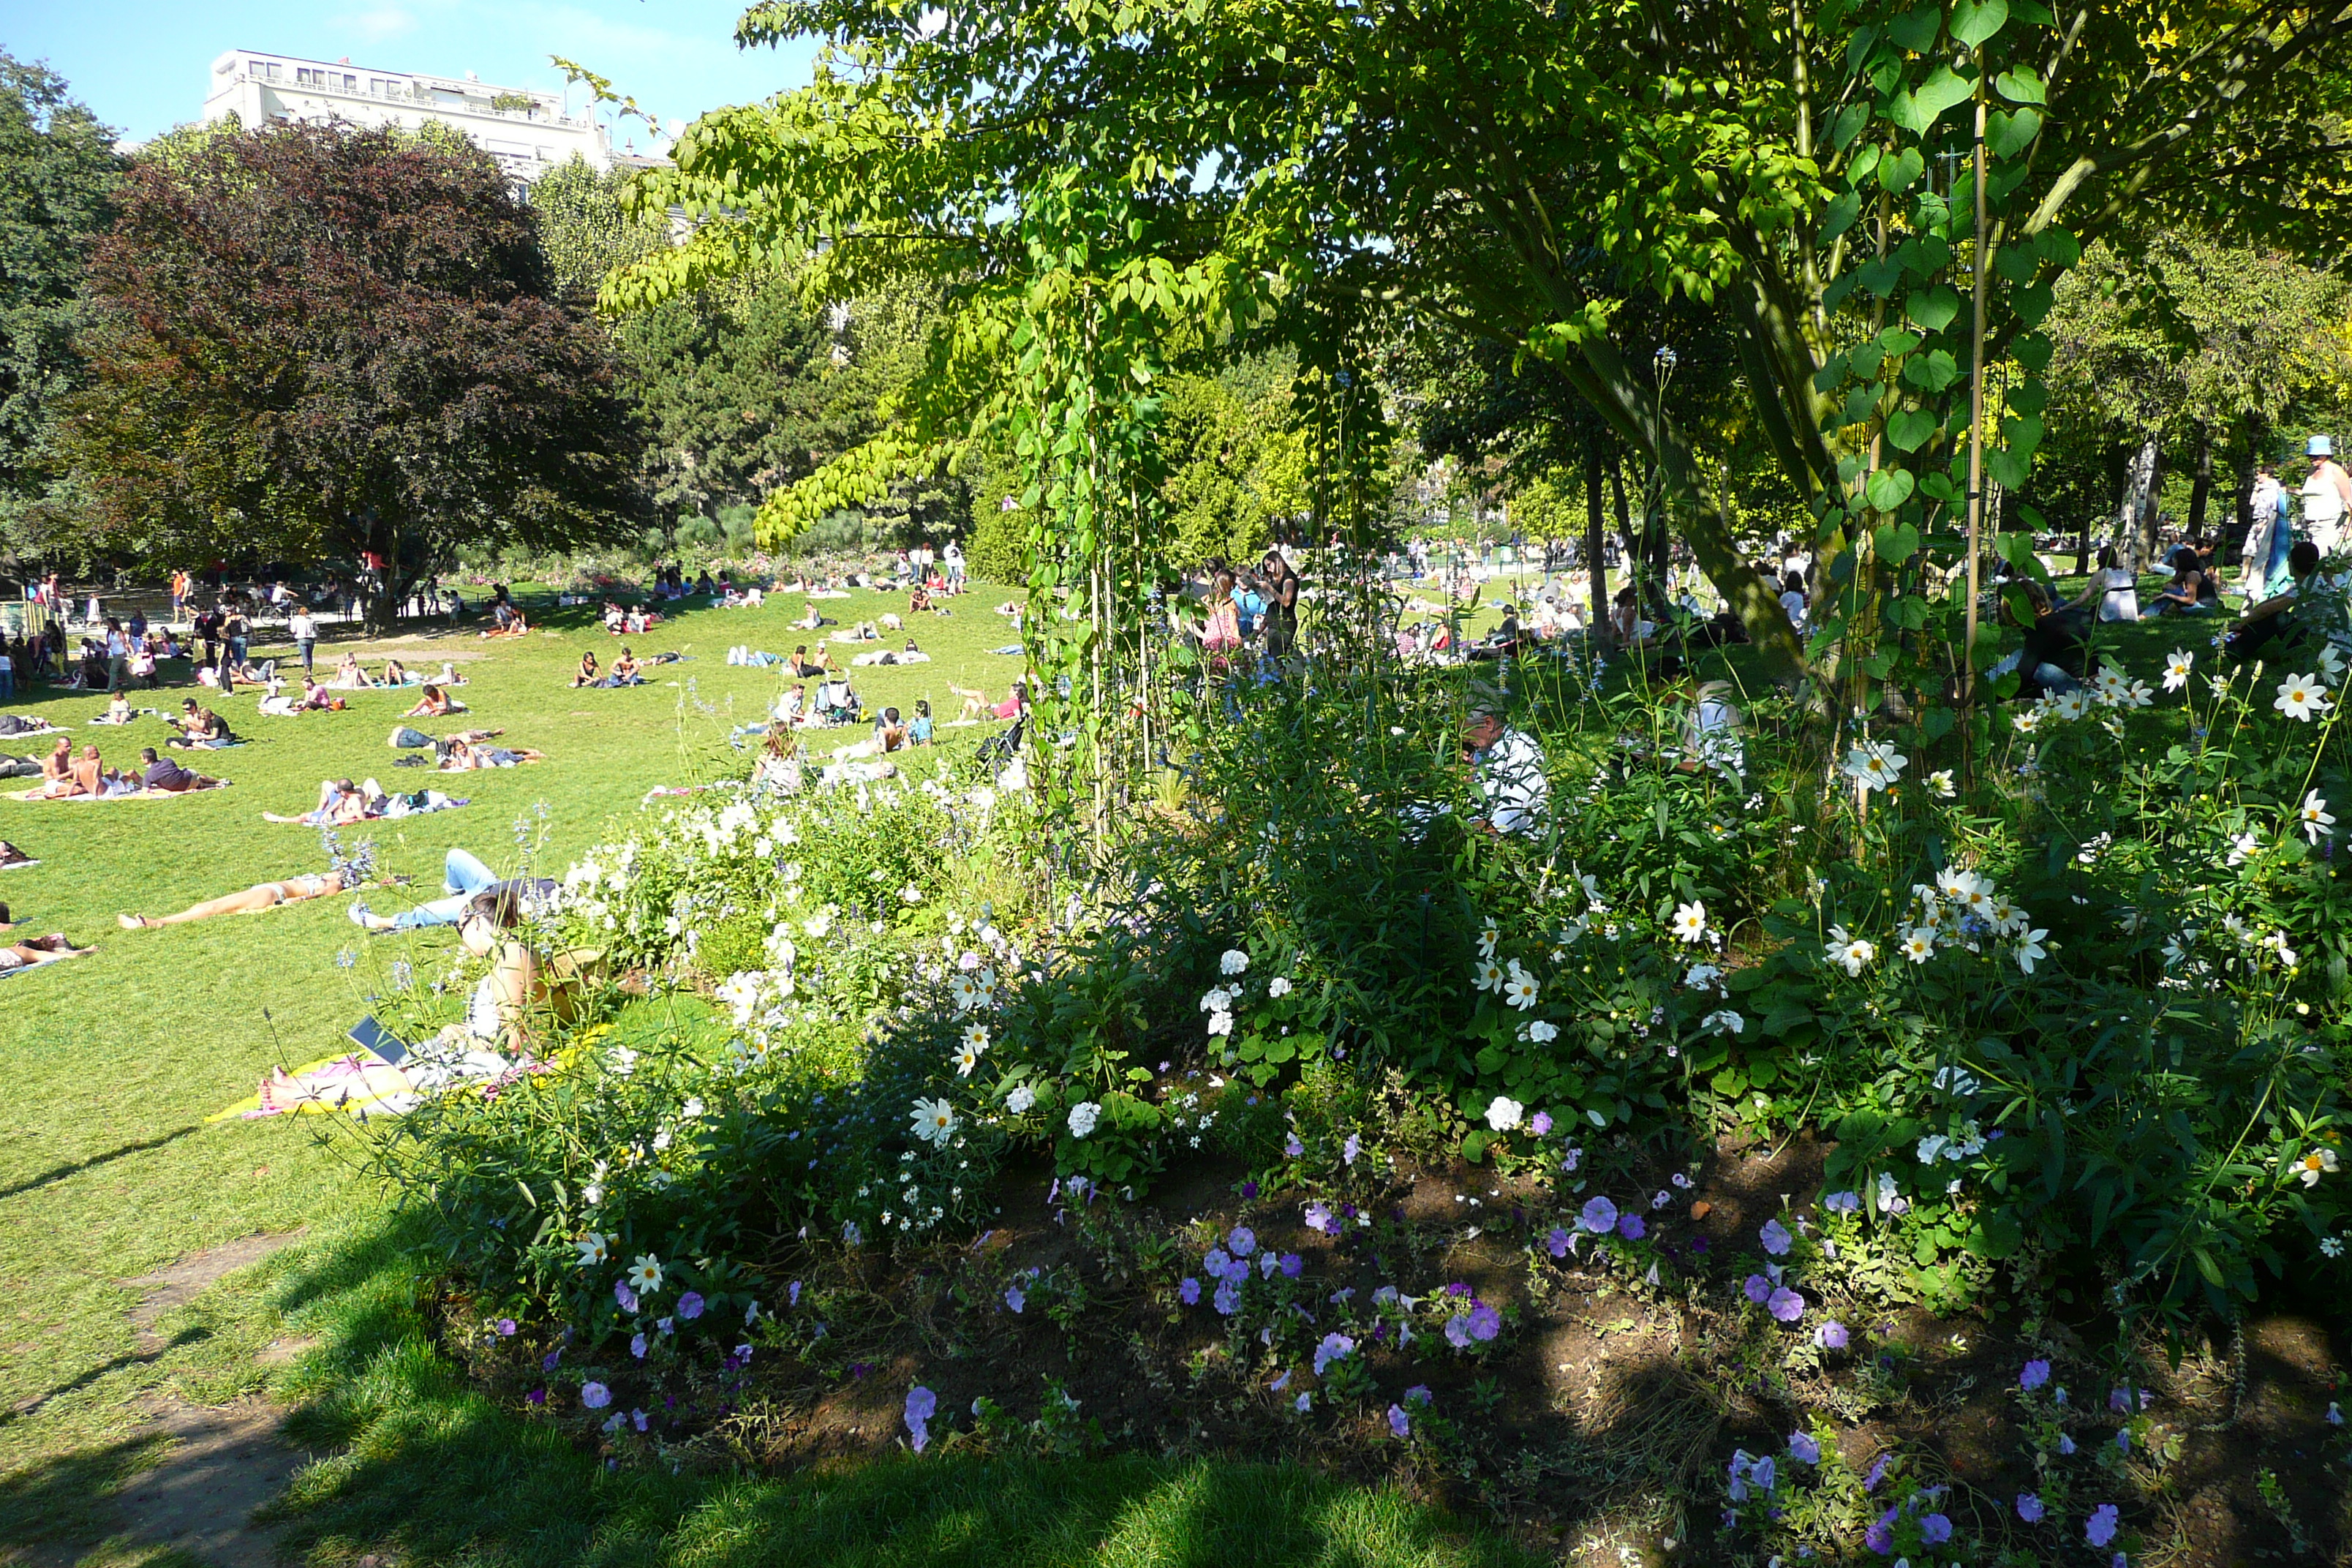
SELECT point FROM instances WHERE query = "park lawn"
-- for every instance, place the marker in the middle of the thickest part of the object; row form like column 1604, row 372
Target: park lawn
column 109, row 1169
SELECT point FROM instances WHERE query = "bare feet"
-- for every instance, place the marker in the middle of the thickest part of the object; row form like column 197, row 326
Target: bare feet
column 132, row 923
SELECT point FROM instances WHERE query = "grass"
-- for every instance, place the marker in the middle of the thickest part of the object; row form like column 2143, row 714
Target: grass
column 109, row 1169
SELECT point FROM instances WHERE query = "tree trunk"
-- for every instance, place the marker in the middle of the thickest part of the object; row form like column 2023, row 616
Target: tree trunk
column 2135, row 527
column 1598, row 573
column 2201, row 487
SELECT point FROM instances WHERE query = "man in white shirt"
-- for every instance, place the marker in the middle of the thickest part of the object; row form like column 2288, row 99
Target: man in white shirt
column 1509, row 769
column 305, row 633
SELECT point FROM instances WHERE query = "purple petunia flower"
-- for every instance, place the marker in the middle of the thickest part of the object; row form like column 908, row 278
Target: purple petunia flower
column 2036, row 1374
column 1485, row 1322
column 1761, row 1473
column 1935, row 1529
column 639, row 1419
column 596, row 1395
column 1631, row 1228
column 1280, row 1384
column 2065, row 1443
column 1292, row 1265
column 1228, row 1298
column 2123, row 1441
column 793, row 1294
column 1785, row 1305
column 1803, row 1448
column 1215, row 1263
column 1292, row 1147
column 1877, row 1472
column 1350, row 1149
column 1188, row 1290
column 689, row 1306
column 1457, row 1331
column 1540, row 1124
column 637, row 1346
column 1014, row 1300
column 1319, row 1218
column 1335, row 1347
column 1832, row 1336
column 1757, row 1288
column 1843, row 1202
column 1776, row 1238
column 921, row 1402
column 2100, row 1528
column 1599, row 1215
column 1244, row 1241
column 547, row 1362
column 1400, row 1424
column 507, row 1327
column 2029, row 1508
column 624, row 1296
column 537, row 1397
column 1418, row 1395
column 1880, row 1537
column 1557, row 1242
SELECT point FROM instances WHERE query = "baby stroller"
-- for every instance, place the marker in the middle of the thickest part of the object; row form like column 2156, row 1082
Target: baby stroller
column 999, row 748
column 837, row 703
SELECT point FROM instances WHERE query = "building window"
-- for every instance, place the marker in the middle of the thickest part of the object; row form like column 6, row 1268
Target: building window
column 307, row 77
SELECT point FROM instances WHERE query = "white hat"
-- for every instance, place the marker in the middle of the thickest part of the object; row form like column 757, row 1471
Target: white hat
column 2319, row 446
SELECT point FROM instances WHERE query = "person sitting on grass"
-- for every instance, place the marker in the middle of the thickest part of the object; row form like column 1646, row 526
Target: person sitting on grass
column 779, row 765
column 1508, row 768
column 350, row 676
column 2266, row 630
column 918, row 727
column 613, row 617
column 803, row 670
column 253, row 901
column 396, row 673
column 626, row 671
column 792, row 706
column 435, row 703
column 810, row 620
column 2185, row 595
column 118, row 711
column 2055, row 655
column 200, row 729
column 918, row 599
column 889, row 732
column 587, row 675
column 58, row 772
column 167, row 776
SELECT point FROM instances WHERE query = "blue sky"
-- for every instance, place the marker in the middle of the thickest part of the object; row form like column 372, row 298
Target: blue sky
column 142, row 65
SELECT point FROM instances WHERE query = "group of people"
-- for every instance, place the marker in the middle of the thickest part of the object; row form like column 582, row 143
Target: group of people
column 65, row 775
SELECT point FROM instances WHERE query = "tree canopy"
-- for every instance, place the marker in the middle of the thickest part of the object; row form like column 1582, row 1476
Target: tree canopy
column 58, row 165
column 1248, row 173
column 318, row 342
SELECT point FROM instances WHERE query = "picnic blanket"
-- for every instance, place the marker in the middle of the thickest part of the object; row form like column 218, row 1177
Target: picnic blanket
column 35, row 795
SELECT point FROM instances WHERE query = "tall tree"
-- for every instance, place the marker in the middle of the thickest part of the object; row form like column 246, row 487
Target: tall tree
column 1283, row 166
column 57, row 165
column 313, row 342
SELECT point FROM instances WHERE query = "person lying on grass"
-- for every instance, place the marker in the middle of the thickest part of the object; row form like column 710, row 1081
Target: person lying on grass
column 450, row 676
column 340, row 802
column 252, row 901
column 976, row 704
column 37, row 950
column 165, row 774
column 468, row 883
column 465, row 753
column 435, row 703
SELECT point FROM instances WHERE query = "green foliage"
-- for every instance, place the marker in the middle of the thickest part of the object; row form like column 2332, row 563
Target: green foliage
column 58, row 166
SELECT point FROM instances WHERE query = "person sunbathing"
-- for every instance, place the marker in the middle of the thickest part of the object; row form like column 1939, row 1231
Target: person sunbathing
column 803, row 670
column 253, row 901
column 39, row 950
column 448, row 676
column 396, row 673
column 587, row 675
column 58, row 774
column 350, row 676
column 626, row 671
column 164, row 773
column 976, row 704
column 339, row 805
column 465, row 754
column 435, row 703
column 918, row 599
column 118, row 711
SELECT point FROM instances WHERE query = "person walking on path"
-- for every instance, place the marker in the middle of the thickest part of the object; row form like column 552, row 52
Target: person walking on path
column 305, row 633
column 2326, row 497
column 2269, row 537
column 118, row 656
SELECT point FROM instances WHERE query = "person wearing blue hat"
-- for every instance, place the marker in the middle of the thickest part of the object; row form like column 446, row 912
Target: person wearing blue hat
column 2326, row 497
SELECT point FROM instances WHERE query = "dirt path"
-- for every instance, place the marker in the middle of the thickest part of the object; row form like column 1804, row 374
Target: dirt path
column 221, row 1463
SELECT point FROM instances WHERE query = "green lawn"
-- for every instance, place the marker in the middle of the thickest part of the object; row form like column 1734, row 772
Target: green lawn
column 109, row 1169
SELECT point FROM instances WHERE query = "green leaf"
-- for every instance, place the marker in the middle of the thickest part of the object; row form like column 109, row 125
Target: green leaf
column 2020, row 85
column 2031, row 350
column 1915, row 29
column 1881, row 275
column 2009, row 132
column 1896, row 542
column 1973, row 24
column 2009, row 469
column 1932, row 371
column 1941, row 90
column 1889, row 488
column 1839, row 215
column 1473, row 1147
column 1933, row 308
column 1901, row 172
column 1849, row 124
column 1909, row 429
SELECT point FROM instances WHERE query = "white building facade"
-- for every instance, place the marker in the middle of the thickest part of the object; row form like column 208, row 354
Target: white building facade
column 526, row 130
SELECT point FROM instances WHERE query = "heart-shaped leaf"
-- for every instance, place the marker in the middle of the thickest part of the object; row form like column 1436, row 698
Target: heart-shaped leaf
column 1972, row 25
column 2020, row 85
column 1933, row 308
column 1909, row 429
column 1932, row 371
column 1888, row 489
column 2011, row 132
column 1901, row 172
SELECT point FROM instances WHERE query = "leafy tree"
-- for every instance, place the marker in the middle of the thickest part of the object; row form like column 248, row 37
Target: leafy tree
column 311, row 341
column 1291, row 170
column 58, row 165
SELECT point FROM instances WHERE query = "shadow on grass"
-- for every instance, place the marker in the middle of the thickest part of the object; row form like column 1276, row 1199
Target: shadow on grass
column 59, row 1173
column 103, row 1368
column 69, row 1497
